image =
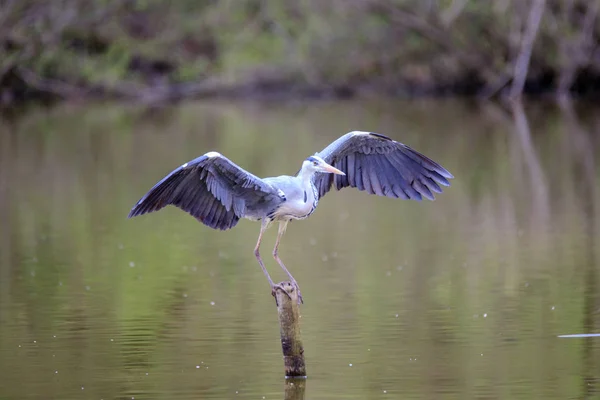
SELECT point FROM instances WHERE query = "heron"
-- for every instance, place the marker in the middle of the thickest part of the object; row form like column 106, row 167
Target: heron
column 218, row 193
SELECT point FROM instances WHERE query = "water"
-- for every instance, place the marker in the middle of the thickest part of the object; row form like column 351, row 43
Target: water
column 459, row 298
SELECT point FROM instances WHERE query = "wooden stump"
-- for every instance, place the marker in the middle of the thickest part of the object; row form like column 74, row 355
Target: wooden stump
column 294, row 389
column 289, row 329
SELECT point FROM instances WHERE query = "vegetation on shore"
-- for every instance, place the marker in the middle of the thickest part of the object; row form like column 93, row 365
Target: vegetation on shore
column 156, row 50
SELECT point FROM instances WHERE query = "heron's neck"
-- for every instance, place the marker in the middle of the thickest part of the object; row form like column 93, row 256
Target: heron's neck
column 306, row 176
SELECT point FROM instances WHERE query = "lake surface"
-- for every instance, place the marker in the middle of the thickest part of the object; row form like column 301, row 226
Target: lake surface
column 460, row 298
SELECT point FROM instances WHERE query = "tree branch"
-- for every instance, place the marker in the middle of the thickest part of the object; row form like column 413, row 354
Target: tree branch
column 522, row 62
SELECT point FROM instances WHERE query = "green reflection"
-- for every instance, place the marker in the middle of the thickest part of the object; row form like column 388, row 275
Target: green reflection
column 458, row 298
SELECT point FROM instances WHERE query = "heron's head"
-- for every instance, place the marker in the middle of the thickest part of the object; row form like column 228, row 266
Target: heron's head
column 317, row 164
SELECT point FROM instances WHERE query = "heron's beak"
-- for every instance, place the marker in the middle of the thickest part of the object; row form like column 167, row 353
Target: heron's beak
column 333, row 170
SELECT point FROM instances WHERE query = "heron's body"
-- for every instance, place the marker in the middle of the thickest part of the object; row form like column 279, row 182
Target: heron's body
column 218, row 193
column 300, row 194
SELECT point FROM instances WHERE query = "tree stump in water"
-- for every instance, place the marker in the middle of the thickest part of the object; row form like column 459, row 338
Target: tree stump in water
column 294, row 389
column 289, row 329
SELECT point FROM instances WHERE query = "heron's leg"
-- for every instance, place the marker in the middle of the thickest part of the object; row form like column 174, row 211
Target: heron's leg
column 282, row 228
column 263, row 228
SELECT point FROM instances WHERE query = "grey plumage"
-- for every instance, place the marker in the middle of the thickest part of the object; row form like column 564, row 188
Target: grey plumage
column 213, row 189
column 218, row 193
column 381, row 166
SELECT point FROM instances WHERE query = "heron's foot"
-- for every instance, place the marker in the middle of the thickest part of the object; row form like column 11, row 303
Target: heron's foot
column 274, row 292
column 300, row 300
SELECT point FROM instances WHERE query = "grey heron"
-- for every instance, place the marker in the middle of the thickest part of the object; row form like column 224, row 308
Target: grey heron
column 218, row 192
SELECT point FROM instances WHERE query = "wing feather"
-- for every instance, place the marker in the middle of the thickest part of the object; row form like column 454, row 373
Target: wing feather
column 381, row 166
column 364, row 171
column 398, row 191
column 358, row 180
column 350, row 172
column 373, row 172
column 341, row 180
column 387, row 175
column 211, row 188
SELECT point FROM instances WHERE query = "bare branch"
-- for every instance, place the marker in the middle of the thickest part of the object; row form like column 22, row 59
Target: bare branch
column 578, row 51
column 522, row 62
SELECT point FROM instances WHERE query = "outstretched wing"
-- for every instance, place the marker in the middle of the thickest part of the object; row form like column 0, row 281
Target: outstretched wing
column 381, row 166
column 211, row 188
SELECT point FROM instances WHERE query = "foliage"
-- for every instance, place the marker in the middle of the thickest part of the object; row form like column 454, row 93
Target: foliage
column 123, row 47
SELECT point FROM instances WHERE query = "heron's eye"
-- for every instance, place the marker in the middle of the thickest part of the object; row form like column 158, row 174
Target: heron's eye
column 315, row 163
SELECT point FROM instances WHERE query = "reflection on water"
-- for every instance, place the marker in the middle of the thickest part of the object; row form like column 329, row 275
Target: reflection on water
column 459, row 298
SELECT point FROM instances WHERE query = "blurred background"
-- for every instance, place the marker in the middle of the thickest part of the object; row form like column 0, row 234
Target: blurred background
column 463, row 297
column 158, row 50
